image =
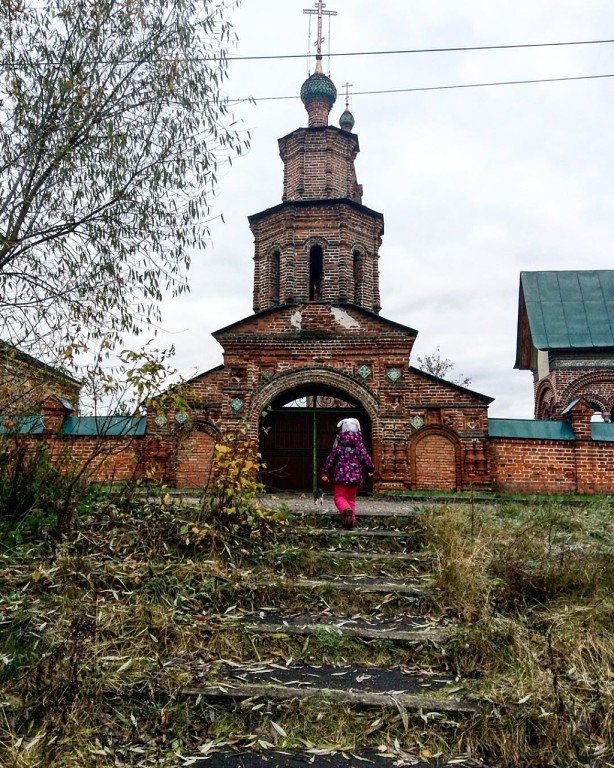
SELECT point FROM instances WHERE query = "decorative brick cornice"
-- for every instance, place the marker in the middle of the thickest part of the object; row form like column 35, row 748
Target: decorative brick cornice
column 341, row 201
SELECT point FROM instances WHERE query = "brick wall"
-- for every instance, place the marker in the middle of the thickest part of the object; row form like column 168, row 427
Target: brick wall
column 542, row 466
column 25, row 383
column 435, row 464
column 352, row 352
column 113, row 459
column 193, row 458
column 319, row 164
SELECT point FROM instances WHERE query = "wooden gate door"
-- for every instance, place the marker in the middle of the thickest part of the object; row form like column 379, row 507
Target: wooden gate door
column 295, row 442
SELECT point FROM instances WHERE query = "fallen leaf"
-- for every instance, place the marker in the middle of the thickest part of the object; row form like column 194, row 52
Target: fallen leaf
column 279, row 729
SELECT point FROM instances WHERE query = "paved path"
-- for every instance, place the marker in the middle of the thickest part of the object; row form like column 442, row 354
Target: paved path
column 366, row 505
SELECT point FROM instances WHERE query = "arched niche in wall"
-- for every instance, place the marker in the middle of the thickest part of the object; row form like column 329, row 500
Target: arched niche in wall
column 435, row 459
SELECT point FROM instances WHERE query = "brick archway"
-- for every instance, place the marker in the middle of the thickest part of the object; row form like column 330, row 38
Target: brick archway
column 435, row 460
column 295, row 437
column 545, row 401
column 309, row 375
column 596, row 387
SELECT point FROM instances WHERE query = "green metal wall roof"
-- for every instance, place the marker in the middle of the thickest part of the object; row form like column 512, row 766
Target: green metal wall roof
column 22, row 425
column 601, row 430
column 111, row 426
column 530, row 429
column 571, row 309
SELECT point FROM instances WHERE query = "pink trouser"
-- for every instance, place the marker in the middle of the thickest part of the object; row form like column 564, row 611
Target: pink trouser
column 345, row 498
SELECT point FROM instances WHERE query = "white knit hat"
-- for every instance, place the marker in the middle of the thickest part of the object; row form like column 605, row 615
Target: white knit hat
column 349, row 425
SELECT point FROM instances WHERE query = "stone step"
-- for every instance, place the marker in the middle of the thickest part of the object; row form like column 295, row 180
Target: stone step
column 319, row 758
column 365, row 585
column 394, row 515
column 361, row 686
column 348, row 594
column 410, row 629
column 412, row 558
column 312, row 561
column 361, row 538
column 356, row 533
column 393, row 557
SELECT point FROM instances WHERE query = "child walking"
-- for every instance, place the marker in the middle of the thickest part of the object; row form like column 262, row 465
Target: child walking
column 347, row 461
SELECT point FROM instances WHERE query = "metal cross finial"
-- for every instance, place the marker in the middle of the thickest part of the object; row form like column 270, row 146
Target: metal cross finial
column 347, row 87
column 320, row 12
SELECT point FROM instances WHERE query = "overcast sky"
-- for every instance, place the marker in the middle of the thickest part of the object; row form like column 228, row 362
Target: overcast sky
column 475, row 184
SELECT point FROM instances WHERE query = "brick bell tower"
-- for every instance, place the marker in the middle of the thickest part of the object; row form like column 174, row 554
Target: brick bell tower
column 316, row 348
column 320, row 243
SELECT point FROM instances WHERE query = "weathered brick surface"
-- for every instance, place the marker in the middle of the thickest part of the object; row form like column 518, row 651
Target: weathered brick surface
column 532, row 466
column 556, row 391
column 25, row 383
column 541, row 466
column 325, row 345
column 321, row 206
column 107, row 460
column 346, row 232
column 193, row 457
column 319, row 164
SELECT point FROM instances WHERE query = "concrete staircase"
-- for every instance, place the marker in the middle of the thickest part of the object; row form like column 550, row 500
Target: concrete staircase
column 346, row 626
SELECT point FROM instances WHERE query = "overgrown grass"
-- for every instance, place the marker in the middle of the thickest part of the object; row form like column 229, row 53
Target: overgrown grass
column 304, row 725
column 101, row 635
column 534, row 584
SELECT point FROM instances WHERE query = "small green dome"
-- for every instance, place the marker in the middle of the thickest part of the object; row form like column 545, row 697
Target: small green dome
column 346, row 121
column 318, row 86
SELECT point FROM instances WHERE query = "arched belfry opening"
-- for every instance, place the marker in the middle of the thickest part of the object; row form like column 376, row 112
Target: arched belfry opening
column 316, row 272
column 297, row 431
column 275, row 267
column 358, row 270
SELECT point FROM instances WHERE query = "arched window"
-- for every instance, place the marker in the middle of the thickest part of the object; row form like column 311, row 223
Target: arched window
column 358, row 274
column 275, row 275
column 316, row 273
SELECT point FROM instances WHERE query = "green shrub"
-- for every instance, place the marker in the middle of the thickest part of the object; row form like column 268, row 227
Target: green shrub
column 231, row 505
column 36, row 492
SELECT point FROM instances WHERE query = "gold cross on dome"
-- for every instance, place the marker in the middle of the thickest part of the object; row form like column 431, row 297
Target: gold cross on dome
column 320, row 12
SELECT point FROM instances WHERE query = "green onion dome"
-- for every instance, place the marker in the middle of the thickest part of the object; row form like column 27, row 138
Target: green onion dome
column 318, row 86
column 346, row 121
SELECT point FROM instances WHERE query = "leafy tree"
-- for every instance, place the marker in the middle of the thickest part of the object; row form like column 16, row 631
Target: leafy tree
column 112, row 130
column 442, row 367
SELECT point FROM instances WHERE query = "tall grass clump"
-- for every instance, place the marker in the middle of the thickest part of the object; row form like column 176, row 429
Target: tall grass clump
column 100, row 634
column 536, row 582
column 38, row 493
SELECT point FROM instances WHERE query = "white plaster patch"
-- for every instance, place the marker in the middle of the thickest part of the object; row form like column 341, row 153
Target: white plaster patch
column 296, row 320
column 343, row 319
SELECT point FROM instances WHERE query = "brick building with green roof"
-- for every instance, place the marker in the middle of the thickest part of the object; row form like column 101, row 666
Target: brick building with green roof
column 566, row 338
